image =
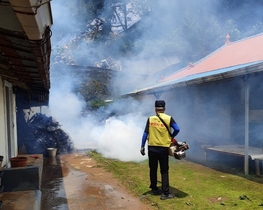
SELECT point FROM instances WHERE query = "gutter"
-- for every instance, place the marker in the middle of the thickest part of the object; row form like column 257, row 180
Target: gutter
column 34, row 15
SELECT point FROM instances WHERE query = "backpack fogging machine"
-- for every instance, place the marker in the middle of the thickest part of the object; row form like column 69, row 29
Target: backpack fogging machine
column 177, row 149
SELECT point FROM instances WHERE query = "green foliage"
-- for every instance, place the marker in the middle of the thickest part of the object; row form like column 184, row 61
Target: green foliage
column 93, row 90
column 94, row 93
column 95, row 104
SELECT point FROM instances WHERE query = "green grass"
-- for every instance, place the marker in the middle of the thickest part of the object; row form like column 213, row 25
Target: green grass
column 195, row 186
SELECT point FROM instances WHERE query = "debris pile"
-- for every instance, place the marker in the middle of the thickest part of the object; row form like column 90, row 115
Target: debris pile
column 45, row 132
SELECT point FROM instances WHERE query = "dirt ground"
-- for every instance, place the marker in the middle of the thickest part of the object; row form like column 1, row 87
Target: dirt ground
column 81, row 185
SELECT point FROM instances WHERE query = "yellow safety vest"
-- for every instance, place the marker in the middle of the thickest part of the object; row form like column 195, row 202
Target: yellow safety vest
column 158, row 134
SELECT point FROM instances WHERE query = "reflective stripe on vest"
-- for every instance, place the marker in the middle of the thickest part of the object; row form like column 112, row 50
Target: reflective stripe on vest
column 158, row 134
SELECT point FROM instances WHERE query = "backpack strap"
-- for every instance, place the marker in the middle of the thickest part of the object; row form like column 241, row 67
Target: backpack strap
column 164, row 125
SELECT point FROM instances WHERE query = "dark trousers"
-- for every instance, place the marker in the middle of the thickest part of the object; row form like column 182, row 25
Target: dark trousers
column 163, row 159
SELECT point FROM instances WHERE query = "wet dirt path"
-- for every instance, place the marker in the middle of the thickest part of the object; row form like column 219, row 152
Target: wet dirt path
column 74, row 182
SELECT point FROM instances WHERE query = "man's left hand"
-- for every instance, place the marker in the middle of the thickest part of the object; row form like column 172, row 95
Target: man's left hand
column 142, row 151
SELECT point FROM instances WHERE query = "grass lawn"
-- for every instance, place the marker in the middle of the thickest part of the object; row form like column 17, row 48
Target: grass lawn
column 195, row 186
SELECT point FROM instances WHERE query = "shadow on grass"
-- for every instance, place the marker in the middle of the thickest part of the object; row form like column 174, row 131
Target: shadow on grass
column 178, row 193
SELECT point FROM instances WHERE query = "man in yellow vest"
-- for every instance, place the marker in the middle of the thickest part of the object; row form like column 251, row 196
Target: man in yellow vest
column 160, row 131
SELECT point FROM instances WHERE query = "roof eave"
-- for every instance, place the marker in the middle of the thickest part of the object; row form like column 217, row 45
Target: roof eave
column 26, row 47
column 199, row 79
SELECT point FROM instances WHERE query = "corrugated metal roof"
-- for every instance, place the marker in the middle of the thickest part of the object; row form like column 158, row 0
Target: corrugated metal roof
column 233, row 59
column 232, row 54
column 25, row 48
column 26, row 64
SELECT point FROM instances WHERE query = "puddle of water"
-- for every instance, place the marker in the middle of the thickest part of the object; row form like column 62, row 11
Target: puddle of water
column 66, row 188
column 53, row 191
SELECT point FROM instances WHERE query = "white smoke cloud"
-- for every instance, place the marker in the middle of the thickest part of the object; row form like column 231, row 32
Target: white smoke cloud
column 117, row 137
column 120, row 136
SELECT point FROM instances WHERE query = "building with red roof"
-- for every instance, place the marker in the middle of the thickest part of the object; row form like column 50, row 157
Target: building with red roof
column 218, row 103
column 232, row 54
column 231, row 60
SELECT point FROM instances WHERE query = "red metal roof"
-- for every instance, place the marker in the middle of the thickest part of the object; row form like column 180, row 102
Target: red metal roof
column 231, row 54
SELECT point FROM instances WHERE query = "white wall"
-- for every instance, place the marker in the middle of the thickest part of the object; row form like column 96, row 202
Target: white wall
column 2, row 124
column 8, row 140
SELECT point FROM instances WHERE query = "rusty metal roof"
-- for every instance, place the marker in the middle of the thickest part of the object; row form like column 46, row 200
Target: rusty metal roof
column 25, row 61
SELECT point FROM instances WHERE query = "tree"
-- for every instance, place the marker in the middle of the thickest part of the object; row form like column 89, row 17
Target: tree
column 94, row 93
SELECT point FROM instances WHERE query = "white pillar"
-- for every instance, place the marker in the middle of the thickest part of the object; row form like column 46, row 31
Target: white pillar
column 246, row 86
